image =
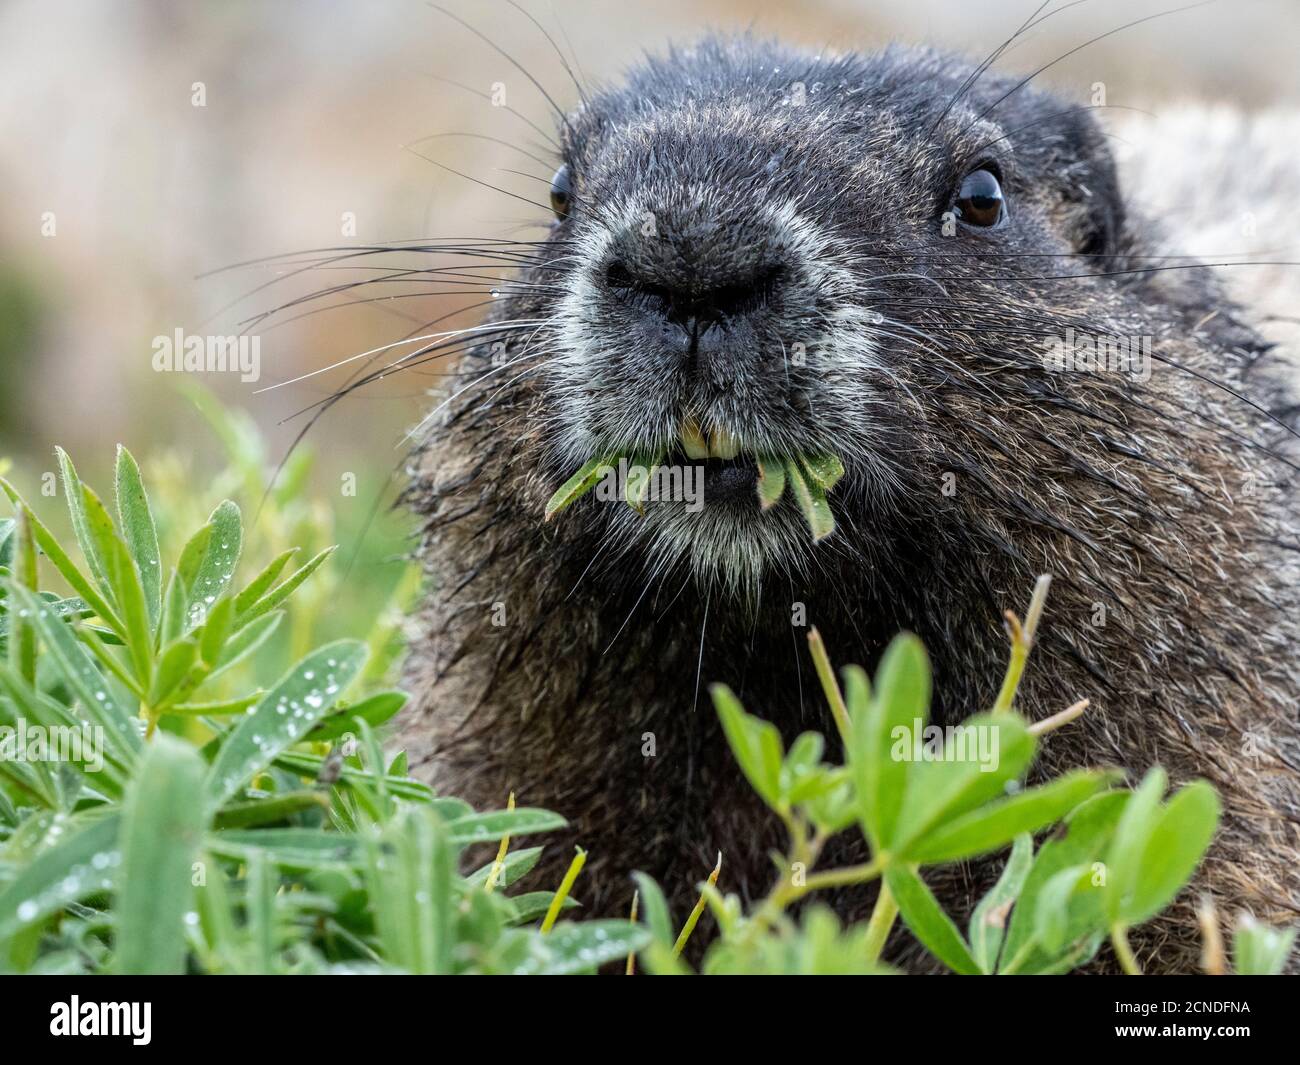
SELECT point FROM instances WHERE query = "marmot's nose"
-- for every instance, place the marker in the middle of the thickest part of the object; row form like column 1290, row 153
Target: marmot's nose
column 691, row 304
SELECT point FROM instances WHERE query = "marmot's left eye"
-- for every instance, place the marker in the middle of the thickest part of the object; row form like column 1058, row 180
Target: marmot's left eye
column 561, row 192
column 979, row 201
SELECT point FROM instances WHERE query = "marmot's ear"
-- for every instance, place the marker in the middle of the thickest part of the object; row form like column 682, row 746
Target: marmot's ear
column 1093, row 185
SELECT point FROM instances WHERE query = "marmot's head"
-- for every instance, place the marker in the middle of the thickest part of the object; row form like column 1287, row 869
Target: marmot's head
column 889, row 259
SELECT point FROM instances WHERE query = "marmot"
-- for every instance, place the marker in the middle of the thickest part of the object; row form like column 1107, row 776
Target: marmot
column 761, row 251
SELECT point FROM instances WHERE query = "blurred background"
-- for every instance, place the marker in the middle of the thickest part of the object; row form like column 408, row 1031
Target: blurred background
column 145, row 146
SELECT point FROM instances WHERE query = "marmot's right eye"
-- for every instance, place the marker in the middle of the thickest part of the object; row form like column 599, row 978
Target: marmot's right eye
column 561, row 192
column 979, row 201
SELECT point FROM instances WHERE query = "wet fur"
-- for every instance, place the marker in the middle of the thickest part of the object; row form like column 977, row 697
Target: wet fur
column 1144, row 499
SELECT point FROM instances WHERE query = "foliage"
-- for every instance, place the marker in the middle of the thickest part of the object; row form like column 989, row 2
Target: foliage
column 219, row 799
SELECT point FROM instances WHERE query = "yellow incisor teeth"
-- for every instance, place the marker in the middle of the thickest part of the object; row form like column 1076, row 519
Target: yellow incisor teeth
column 722, row 445
column 713, row 444
column 693, row 442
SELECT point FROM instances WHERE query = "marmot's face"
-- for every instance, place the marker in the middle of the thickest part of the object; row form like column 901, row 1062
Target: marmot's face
column 766, row 254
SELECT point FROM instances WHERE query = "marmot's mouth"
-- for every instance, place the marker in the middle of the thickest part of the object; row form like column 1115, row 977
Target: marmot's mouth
column 725, row 473
column 723, row 478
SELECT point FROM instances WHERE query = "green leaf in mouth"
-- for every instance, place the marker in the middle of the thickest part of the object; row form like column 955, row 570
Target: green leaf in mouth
column 826, row 470
column 576, row 486
column 639, row 476
column 811, row 498
column 810, row 477
column 771, row 481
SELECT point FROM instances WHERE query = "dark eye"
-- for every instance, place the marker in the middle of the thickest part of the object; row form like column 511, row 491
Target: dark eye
column 561, row 192
column 979, row 201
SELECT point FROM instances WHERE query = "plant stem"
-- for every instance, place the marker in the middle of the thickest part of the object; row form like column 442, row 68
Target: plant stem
column 630, row 968
column 783, row 894
column 499, row 864
column 562, row 893
column 826, row 674
column 1128, row 962
column 1064, row 717
column 852, row 874
column 1213, row 962
column 1015, row 667
column 1022, row 640
column 694, row 918
column 882, row 920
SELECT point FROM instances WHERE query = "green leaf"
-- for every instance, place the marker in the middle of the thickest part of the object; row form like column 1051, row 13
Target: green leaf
column 7, row 529
column 282, row 591
column 534, row 904
column 576, row 486
column 262, row 881
column 583, row 947
column 47, row 542
column 824, row 470
column 216, row 629
column 1258, row 950
column 83, row 864
column 217, row 566
column 639, row 477
column 1124, row 860
column 771, row 481
column 755, row 743
column 997, row 823
column 655, row 913
column 173, row 665
column 259, row 585
column 1088, row 830
column 175, row 601
column 22, row 640
column 187, row 566
column 812, row 502
column 410, row 874
column 163, row 820
column 977, row 759
column 290, row 848
column 901, row 702
column 1052, row 905
column 81, row 674
column 928, row 922
column 124, row 581
column 374, row 710
column 269, row 810
column 138, row 530
column 284, row 715
column 514, row 866
column 1174, row 848
column 220, row 707
column 489, row 827
column 989, row 921
column 73, row 491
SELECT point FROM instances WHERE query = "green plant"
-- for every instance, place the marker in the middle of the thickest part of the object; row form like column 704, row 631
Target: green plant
column 264, row 844
column 1118, row 858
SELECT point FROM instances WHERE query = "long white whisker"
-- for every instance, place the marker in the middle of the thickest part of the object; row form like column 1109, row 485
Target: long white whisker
column 401, row 343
